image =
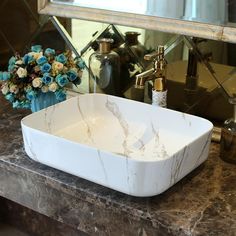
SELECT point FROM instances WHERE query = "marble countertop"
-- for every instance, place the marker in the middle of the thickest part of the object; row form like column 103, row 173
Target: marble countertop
column 203, row 203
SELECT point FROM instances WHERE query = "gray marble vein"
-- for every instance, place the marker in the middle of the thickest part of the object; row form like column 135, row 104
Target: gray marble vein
column 159, row 150
column 114, row 109
column 177, row 164
column 48, row 118
column 89, row 132
column 204, row 146
column 103, row 167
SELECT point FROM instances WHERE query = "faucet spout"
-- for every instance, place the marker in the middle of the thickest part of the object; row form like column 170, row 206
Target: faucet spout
column 143, row 77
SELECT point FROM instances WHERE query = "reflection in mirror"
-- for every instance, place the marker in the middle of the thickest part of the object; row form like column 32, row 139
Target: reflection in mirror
column 222, row 11
column 209, row 72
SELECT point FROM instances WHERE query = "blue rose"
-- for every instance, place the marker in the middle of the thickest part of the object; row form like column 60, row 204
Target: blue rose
column 11, row 64
column 5, row 76
column 62, row 80
column 31, row 94
column 47, row 79
column 36, row 48
column 10, row 97
column 60, row 95
column 26, row 105
column 27, row 59
column 61, row 58
column 42, row 60
column 11, row 67
column 16, row 104
column 81, row 64
column 45, row 67
column 12, row 61
column 72, row 75
column 49, row 52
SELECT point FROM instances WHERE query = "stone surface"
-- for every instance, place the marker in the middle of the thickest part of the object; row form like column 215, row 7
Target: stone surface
column 7, row 230
column 203, row 203
column 22, row 219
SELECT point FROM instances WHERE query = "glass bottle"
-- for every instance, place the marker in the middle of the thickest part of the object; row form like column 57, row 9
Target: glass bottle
column 104, row 69
column 131, row 41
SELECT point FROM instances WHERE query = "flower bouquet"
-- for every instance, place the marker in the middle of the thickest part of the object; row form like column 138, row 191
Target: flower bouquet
column 39, row 72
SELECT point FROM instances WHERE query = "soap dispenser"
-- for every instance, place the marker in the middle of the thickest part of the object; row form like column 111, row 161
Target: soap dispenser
column 104, row 69
column 159, row 91
column 228, row 137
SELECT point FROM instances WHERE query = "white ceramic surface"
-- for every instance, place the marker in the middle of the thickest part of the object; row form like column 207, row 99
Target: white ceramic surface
column 132, row 147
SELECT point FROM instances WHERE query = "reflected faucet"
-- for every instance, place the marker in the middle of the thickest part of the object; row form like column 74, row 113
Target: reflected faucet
column 191, row 81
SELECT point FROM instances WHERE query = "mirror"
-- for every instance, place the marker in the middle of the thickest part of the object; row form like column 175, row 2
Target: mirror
column 214, row 78
column 222, row 11
column 215, row 68
column 187, row 17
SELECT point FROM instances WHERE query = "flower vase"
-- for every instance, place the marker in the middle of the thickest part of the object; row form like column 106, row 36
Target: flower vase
column 43, row 100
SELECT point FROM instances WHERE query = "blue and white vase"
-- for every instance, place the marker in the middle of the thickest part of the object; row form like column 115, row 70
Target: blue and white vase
column 43, row 100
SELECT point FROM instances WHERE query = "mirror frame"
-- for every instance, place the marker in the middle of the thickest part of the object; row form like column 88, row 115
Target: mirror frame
column 183, row 27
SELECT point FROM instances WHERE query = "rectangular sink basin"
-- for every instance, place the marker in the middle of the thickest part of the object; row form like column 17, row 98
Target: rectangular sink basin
column 128, row 146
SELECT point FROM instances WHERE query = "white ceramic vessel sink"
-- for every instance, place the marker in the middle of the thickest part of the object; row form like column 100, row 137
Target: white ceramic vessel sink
column 132, row 147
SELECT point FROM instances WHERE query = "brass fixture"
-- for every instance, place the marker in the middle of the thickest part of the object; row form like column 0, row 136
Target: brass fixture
column 158, row 77
column 154, row 73
column 143, row 77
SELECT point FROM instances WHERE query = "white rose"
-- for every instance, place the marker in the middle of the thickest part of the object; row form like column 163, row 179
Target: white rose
column 5, row 89
column 57, row 66
column 14, row 89
column 53, row 87
column 19, row 62
column 44, row 89
column 28, row 87
column 37, row 83
column 36, row 69
column 21, row 72
column 36, row 55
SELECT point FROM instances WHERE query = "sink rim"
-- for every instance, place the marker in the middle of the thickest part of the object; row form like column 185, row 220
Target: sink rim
column 209, row 123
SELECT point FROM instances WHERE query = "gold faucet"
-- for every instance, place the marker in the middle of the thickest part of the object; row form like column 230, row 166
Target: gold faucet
column 156, row 73
column 143, row 77
column 158, row 76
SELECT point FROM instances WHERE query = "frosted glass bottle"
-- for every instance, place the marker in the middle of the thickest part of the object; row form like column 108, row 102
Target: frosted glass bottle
column 104, row 69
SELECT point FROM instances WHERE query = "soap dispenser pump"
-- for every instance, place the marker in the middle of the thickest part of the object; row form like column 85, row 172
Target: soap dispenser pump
column 104, row 69
column 159, row 91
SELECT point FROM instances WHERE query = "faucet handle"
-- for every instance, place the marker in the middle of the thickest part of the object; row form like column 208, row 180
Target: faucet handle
column 151, row 56
column 154, row 55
